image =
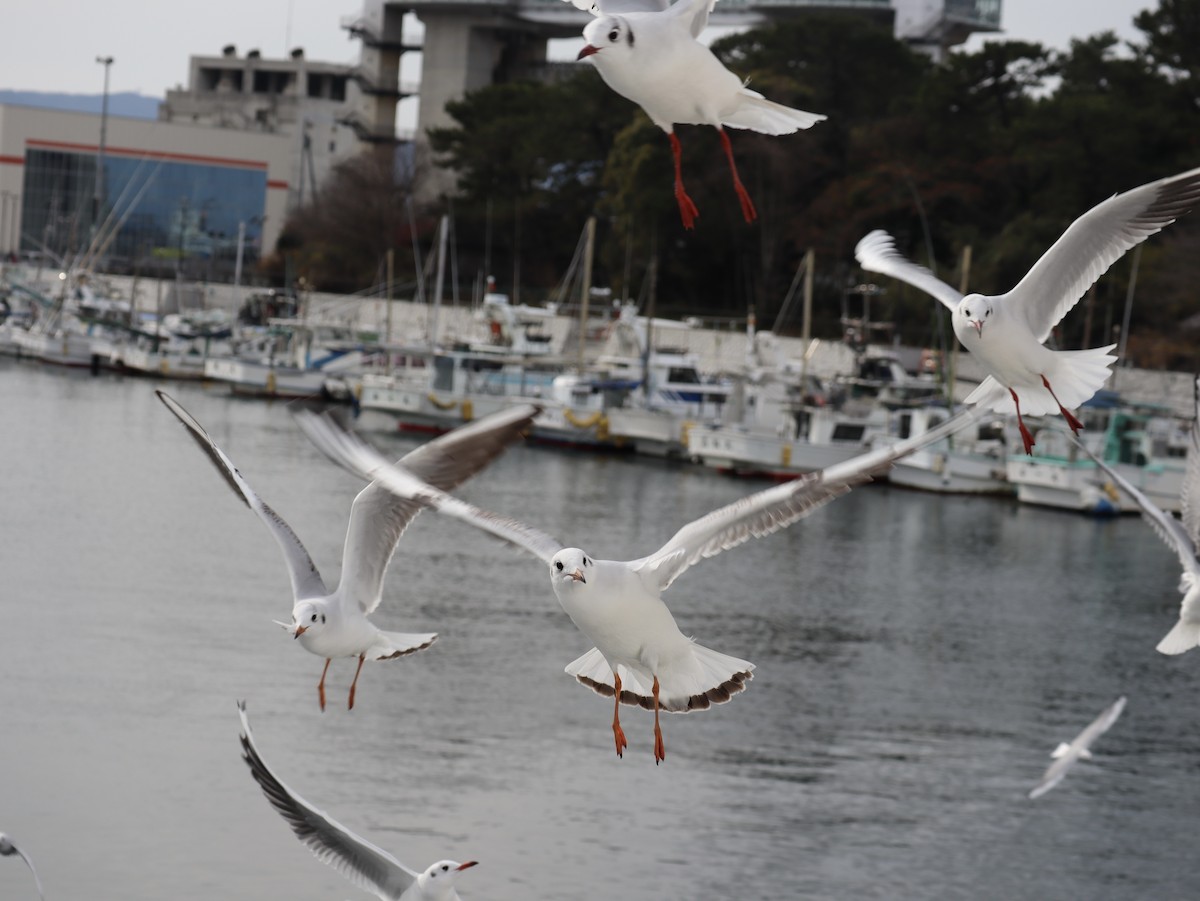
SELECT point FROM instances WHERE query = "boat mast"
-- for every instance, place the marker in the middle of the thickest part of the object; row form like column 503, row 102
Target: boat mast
column 585, row 286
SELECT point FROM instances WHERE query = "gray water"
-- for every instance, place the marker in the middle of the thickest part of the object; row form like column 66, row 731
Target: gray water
column 918, row 657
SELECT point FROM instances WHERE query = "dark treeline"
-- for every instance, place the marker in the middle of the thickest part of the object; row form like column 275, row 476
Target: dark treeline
column 999, row 149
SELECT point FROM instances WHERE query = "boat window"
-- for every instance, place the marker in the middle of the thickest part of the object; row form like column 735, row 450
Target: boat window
column 681, row 374
column 848, row 431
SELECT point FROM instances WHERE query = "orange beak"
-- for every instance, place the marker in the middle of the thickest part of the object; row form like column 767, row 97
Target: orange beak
column 300, row 630
column 587, row 50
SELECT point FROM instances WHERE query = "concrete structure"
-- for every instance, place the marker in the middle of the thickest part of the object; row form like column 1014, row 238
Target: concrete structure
column 183, row 191
column 934, row 26
column 318, row 106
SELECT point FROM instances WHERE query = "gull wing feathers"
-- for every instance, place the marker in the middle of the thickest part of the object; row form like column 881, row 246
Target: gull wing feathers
column 354, row 455
column 379, row 517
column 1093, row 242
column 775, row 508
column 306, row 580
column 7, row 847
column 1078, row 748
column 1167, row 527
column 876, row 252
column 694, row 13
column 370, row 868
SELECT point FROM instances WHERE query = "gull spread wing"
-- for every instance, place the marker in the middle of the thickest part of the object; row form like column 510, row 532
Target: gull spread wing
column 876, row 252
column 775, row 508
column 370, row 868
column 354, row 455
column 1167, row 527
column 1189, row 496
column 306, row 581
column 1057, row 770
column 694, row 13
column 379, row 517
column 8, row 847
column 1095, row 241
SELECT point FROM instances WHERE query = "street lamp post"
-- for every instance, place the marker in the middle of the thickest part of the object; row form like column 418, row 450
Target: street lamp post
column 98, row 200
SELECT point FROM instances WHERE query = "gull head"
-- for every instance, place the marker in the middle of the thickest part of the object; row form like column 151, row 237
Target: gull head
column 306, row 617
column 974, row 312
column 570, row 567
column 610, row 34
column 438, row 881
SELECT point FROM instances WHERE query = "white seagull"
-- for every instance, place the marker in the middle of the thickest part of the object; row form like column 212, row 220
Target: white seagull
column 648, row 53
column 1065, row 754
column 1183, row 538
column 1006, row 332
column 7, row 849
column 367, row 866
column 335, row 624
column 640, row 656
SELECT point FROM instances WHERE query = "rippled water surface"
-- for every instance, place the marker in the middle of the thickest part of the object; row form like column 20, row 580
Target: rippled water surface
column 918, row 657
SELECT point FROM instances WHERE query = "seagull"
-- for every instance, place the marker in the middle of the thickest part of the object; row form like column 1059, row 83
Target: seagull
column 1183, row 538
column 640, row 657
column 1006, row 332
column 367, row 866
column 7, row 849
column 335, row 624
column 648, row 53
column 1065, row 754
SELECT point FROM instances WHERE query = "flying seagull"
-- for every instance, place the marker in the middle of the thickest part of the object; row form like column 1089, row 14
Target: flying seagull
column 7, row 849
column 367, row 866
column 1065, row 754
column 335, row 624
column 1183, row 538
column 1006, row 332
column 640, row 657
column 649, row 54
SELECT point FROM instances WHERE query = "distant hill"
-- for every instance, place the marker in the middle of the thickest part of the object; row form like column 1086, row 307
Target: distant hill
column 135, row 106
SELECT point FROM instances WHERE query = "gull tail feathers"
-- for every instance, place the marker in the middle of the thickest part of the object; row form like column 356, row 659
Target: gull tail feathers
column 1184, row 637
column 390, row 645
column 757, row 113
column 708, row 677
column 1075, row 377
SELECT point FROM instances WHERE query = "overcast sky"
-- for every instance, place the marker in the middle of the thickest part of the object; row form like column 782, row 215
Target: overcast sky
column 51, row 45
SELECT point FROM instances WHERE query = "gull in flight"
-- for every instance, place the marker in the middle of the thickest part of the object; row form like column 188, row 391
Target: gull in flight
column 335, row 624
column 1006, row 332
column 1183, row 538
column 7, row 849
column 367, row 866
column 1065, row 754
column 648, row 53
column 640, row 657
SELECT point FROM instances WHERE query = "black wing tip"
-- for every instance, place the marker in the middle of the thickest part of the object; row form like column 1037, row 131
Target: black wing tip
column 719, row 694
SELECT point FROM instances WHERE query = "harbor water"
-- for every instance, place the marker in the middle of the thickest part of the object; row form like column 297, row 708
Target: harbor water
column 918, row 657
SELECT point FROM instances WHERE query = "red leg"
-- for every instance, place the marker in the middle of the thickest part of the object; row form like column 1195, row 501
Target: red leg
column 687, row 209
column 354, row 684
column 660, row 750
column 321, row 684
column 748, row 210
column 1025, row 436
column 1075, row 424
column 618, row 732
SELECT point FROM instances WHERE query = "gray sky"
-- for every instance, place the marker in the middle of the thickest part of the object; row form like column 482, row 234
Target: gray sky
column 51, row 45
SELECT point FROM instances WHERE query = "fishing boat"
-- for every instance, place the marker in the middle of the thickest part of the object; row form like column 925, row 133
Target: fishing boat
column 1146, row 443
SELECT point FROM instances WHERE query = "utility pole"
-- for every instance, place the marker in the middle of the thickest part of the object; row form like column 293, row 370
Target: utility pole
column 98, row 200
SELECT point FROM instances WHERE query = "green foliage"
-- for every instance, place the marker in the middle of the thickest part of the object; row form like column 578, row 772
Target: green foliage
column 998, row 149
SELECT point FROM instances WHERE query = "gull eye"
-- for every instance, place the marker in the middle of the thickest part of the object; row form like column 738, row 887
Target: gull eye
column 445, row 868
column 314, row 618
column 614, row 35
column 558, row 565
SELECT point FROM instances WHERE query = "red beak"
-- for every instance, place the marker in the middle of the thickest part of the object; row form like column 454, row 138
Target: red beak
column 587, row 50
column 468, row 864
column 978, row 326
column 578, row 576
column 300, row 630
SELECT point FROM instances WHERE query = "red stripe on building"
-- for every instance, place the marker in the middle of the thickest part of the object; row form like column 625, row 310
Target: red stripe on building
column 150, row 154
column 14, row 160
column 276, row 183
